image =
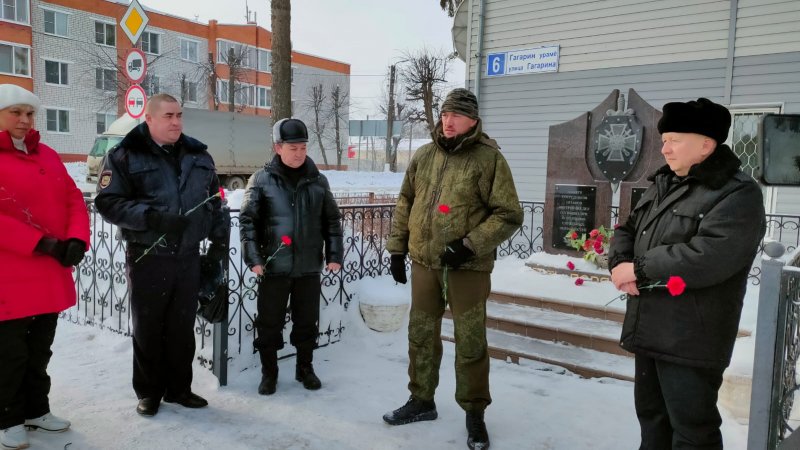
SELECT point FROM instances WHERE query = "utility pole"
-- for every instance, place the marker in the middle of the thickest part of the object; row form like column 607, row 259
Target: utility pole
column 390, row 121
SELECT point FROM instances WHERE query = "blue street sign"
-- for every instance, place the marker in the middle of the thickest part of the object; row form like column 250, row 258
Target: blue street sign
column 496, row 64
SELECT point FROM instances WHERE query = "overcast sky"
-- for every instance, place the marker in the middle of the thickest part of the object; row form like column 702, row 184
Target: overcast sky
column 367, row 34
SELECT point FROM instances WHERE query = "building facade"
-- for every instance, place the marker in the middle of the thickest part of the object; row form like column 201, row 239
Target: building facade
column 744, row 54
column 70, row 53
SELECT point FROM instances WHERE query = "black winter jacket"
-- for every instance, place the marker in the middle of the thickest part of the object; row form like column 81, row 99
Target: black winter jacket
column 142, row 178
column 308, row 215
column 706, row 229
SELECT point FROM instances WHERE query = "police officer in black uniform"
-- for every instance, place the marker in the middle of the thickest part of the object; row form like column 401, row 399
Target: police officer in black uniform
column 147, row 187
column 289, row 200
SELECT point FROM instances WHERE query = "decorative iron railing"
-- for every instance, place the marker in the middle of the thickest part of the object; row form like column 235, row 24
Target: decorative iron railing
column 102, row 284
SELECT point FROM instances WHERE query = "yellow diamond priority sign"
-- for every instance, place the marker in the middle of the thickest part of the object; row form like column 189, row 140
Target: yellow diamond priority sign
column 134, row 21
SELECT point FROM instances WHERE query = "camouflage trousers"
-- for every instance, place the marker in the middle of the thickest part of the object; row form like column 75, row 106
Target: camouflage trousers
column 466, row 296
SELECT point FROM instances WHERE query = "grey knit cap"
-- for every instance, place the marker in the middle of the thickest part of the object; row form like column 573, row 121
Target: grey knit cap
column 461, row 101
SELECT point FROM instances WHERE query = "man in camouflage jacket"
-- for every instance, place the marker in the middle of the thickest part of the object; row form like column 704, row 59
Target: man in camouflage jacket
column 457, row 204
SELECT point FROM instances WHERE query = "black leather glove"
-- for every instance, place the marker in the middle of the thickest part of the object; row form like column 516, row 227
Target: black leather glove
column 456, row 254
column 74, row 251
column 166, row 222
column 68, row 253
column 398, row 268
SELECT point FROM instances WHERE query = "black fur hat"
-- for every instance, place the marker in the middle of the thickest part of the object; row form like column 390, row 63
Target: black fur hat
column 701, row 116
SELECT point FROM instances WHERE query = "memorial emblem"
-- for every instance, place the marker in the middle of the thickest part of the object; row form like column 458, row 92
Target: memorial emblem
column 618, row 143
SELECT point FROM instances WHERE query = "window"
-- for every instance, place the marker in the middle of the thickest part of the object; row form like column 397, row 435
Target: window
column 105, row 33
column 14, row 10
column 265, row 60
column 14, row 60
column 743, row 138
column 151, row 43
column 56, row 72
column 222, row 91
column 105, row 79
column 190, row 92
column 58, row 120
column 56, row 23
column 104, row 120
column 151, row 85
column 244, row 54
column 189, row 50
column 264, row 97
column 245, row 95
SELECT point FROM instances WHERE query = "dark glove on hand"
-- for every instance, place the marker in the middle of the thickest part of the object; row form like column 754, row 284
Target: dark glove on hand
column 51, row 246
column 74, row 250
column 398, row 268
column 166, row 222
column 456, row 254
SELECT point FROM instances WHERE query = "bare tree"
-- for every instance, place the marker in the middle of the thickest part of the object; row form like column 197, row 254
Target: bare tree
column 340, row 101
column 315, row 103
column 450, row 6
column 281, row 59
column 424, row 77
column 106, row 69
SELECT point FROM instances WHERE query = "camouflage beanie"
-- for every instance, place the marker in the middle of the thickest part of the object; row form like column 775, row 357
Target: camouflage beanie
column 461, row 101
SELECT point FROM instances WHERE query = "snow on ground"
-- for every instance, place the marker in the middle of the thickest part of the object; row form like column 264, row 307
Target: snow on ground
column 535, row 406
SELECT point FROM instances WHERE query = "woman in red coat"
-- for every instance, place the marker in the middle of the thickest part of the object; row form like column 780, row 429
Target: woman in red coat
column 44, row 230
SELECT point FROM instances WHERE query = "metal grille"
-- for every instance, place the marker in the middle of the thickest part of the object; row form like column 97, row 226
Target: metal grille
column 744, row 141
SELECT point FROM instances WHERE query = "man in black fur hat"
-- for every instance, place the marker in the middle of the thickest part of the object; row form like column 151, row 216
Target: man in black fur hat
column 699, row 223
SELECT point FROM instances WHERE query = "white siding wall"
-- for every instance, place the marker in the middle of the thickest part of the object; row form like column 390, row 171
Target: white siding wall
column 767, row 26
column 169, row 67
column 605, row 34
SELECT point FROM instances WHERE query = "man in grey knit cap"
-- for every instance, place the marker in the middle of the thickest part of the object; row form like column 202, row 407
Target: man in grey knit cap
column 457, row 204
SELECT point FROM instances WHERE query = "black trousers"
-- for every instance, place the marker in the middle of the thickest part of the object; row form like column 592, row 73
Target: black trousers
column 677, row 405
column 163, row 296
column 302, row 296
column 24, row 355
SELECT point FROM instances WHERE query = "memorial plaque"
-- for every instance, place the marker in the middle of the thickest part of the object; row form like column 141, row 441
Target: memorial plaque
column 574, row 209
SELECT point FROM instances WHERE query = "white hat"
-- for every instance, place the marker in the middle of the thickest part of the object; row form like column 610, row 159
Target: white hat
column 11, row 94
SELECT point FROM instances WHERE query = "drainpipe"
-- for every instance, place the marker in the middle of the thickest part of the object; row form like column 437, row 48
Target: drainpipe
column 479, row 54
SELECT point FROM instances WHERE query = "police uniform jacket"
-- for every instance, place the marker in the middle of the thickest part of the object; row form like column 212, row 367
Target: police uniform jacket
column 137, row 176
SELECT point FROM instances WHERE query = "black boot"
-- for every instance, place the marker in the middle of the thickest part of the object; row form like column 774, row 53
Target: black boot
column 413, row 411
column 305, row 370
column 305, row 374
column 269, row 372
column 478, row 437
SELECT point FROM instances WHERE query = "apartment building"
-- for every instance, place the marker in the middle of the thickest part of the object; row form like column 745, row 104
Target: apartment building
column 69, row 52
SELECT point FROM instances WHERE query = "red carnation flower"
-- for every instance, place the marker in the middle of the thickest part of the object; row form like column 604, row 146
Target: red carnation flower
column 587, row 244
column 594, row 233
column 286, row 240
column 676, row 285
column 222, row 193
column 598, row 245
column 444, row 209
column 599, row 250
column 579, row 282
column 574, row 235
column 570, row 266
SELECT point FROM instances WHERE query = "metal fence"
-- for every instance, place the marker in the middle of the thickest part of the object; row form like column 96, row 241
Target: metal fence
column 773, row 416
column 102, row 284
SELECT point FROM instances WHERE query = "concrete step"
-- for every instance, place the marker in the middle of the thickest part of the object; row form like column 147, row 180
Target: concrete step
column 549, row 325
column 584, row 362
column 614, row 312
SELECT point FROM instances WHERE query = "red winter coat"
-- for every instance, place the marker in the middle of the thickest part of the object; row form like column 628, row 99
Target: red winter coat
column 37, row 198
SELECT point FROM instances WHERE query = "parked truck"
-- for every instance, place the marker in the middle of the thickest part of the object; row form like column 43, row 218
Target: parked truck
column 240, row 144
